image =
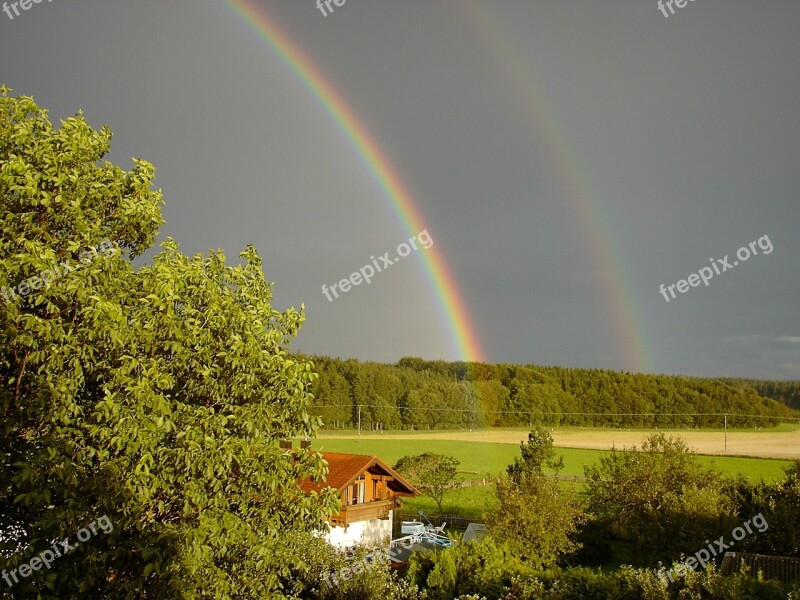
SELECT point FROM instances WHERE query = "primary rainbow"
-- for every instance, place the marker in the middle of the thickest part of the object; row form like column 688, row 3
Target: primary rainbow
column 451, row 303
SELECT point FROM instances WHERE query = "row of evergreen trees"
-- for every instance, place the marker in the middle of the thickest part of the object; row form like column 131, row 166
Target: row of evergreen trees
column 787, row 392
column 420, row 394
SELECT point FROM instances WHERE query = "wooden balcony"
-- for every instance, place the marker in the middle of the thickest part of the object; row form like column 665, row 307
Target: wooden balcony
column 378, row 509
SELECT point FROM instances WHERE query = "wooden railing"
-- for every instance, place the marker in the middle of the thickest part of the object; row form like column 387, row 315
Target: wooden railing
column 378, row 509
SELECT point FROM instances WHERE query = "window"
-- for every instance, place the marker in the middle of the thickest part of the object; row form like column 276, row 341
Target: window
column 356, row 493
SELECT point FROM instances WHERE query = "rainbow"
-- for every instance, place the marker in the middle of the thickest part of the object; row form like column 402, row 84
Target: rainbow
column 626, row 320
column 451, row 303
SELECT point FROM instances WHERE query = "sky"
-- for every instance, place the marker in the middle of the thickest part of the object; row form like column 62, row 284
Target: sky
column 566, row 158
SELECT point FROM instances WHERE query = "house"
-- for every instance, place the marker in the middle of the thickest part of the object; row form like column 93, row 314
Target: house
column 370, row 492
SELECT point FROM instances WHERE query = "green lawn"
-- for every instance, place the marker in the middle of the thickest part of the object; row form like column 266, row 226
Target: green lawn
column 483, row 459
column 467, row 502
column 479, row 459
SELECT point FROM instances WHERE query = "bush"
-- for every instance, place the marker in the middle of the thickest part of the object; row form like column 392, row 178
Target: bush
column 487, row 571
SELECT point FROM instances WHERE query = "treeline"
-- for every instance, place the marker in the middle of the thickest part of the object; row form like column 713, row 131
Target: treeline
column 420, row 394
column 787, row 392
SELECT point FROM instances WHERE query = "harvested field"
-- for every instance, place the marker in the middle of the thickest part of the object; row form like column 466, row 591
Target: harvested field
column 781, row 443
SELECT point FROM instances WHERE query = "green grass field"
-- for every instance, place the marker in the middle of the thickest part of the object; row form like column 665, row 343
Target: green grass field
column 467, row 502
column 479, row 459
column 485, row 459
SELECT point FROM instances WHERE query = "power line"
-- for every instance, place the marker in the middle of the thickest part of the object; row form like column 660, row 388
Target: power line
column 561, row 414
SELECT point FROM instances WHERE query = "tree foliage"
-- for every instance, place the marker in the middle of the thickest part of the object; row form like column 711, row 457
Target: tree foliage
column 538, row 521
column 155, row 395
column 537, row 453
column 434, row 474
column 659, row 496
column 779, row 504
column 787, row 392
column 489, row 571
column 420, row 394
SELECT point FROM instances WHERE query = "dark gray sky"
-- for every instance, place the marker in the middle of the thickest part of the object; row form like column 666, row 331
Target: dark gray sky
column 568, row 157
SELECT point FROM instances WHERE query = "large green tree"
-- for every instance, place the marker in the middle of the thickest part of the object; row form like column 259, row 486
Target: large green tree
column 659, row 496
column 778, row 503
column 155, row 396
column 535, row 518
column 538, row 452
column 434, row 474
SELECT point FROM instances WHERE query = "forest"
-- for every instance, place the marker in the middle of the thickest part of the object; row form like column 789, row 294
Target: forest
column 420, row 394
column 787, row 392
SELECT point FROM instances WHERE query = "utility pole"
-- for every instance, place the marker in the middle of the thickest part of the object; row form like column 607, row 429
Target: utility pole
column 726, row 433
column 359, row 420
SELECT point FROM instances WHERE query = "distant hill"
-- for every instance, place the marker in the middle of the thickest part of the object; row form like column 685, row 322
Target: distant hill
column 421, row 394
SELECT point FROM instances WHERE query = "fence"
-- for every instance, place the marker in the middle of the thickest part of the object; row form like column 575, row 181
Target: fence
column 453, row 521
column 493, row 480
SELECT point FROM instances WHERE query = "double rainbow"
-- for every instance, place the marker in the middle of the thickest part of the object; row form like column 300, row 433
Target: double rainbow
column 631, row 348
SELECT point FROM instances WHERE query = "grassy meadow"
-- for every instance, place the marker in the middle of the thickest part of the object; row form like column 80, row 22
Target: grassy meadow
column 479, row 460
column 487, row 459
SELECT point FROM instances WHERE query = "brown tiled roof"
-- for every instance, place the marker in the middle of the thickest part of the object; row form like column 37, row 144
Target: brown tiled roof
column 772, row 567
column 343, row 469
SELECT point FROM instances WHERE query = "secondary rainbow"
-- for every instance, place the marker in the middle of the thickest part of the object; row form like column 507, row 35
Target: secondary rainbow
column 452, row 306
column 623, row 311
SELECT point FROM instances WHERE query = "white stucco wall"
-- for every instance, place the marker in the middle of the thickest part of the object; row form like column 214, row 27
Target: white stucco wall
column 372, row 533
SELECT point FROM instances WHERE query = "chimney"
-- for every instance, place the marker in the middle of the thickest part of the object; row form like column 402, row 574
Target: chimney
column 305, row 443
column 286, row 444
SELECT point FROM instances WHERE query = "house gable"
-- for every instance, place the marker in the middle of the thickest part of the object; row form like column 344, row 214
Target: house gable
column 368, row 488
column 344, row 469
